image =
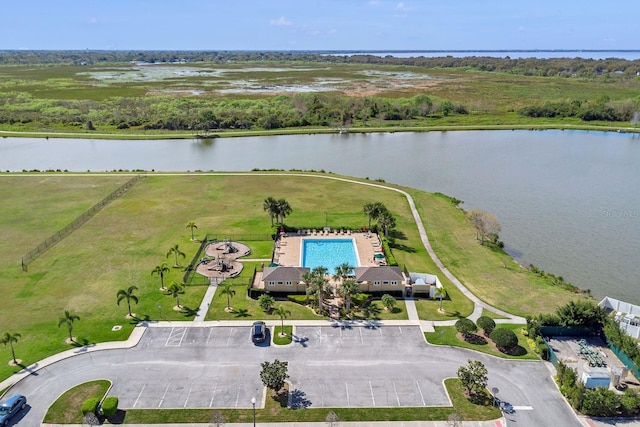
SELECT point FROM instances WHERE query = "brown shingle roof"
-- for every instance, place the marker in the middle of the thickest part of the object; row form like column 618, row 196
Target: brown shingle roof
column 370, row 274
column 284, row 274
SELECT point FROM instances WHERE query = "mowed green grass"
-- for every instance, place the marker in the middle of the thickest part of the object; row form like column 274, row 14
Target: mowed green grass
column 120, row 246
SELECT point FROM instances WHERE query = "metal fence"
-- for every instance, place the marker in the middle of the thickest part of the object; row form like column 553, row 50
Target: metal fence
column 76, row 223
column 241, row 237
column 190, row 276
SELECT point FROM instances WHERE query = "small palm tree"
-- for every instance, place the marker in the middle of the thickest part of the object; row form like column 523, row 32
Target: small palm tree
column 175, row 290
column 229, row 292
column 441, row 293
column 161, row 270
column 9, row 338
column 129, row 296
column 68, row 320
column 192, row 225
column 348, row 289
column 283, row 313
column 307, row 278
column 283, row 209
column 175, row 250
column 388, row 301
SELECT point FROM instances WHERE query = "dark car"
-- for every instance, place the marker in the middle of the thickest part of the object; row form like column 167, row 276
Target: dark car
column 10, row 407
column 258, row 332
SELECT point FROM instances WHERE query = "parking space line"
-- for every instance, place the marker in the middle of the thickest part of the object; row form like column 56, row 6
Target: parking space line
column 209, row 336
column 169, row 337
column 139, row 394
column 395, row 390
column 184, row 332
column 171, row 340
column 346, row 386
column 380, row 330
column 421, row 395
column 229, row 337
column 213, row 396
column 361, row 340
column 373, row 399
column 188, row 396
column 400, row 328
column 238, row 395
column 163, row 396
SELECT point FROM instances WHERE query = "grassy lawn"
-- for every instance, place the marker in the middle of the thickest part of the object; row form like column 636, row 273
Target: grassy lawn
column 121, row 245
column 480, row 268
column 446, row 335
column 275, row 412
column 66, row 410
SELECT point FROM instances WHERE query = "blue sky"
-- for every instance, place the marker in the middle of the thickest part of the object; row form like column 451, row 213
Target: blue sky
column 319, row 24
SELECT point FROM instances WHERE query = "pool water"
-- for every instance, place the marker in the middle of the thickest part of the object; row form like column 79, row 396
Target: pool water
column 328, row 253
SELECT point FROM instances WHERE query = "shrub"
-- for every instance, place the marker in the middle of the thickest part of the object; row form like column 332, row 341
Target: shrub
column 466, row 326
column 504, row 338
column 388, row 301
column 109, row 406
column 266, row 302
column 487, row 324
column 90, row 406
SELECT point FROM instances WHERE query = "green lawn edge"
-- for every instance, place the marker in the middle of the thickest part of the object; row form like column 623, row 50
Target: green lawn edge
column 66, row 408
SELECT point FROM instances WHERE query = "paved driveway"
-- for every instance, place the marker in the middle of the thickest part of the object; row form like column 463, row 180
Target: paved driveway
column 204, row 367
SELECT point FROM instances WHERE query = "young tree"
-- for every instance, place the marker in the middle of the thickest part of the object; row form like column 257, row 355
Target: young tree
column 228, row 290
column 175, row 250
column 175, row 290
column 129, row 296
column 307, row 278
column 440, row 293
column 161, row 270
column 266, row 302
column 486, row 225
column 270, row 205
column 388, row 301
column 466, row 327
column 486, row 324
column 9, row 338
column 192, row 225
column 505, row 339
column 273, row 375
column 473, row 376
column 68, row 320
column 283, row 313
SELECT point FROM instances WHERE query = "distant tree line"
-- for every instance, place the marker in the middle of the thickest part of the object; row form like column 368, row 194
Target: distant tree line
column 170, row 113
column 601, row 109
column 567, row 67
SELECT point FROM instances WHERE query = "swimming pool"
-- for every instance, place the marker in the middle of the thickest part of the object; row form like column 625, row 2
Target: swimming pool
column 328, row 253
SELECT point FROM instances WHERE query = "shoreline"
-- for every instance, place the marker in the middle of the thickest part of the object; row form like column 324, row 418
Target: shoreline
column 312, row 131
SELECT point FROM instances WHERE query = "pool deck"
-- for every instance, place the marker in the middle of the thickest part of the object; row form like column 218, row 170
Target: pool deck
column 288, row 253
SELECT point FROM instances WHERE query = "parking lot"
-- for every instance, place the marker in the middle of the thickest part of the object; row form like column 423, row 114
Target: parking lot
column 327, row 365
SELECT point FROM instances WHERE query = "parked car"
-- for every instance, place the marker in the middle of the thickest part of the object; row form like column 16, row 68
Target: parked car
column 258, row 332
column 10, row 407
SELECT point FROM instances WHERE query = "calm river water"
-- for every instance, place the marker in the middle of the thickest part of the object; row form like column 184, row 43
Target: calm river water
column 568, row 201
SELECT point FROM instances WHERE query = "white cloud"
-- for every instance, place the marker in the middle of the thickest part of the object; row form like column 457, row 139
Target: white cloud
column 93, row 20
column 332, row 31
column 403, row 7
column 521, row 29
column 280, row 22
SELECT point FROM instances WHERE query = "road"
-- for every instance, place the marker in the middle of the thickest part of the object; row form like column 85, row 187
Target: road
column 329, row 366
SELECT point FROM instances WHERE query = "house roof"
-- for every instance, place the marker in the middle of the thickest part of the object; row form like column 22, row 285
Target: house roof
column 283, row 274
column 370, row 274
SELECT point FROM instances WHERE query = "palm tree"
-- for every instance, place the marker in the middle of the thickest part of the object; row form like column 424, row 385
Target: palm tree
column 342, row 272
column 229, row 292
column 348, row 289
column 192, row 225
column 9, row 338
column 283, row 313
column 161, row 270
column 373, row 210
column 175, row 250
column 129, row 296
column 68, row 319
column 175, row 290
column 441, row 293
column 284, row 209
column 320, row 288
column 307, row 278
column 270, row 205
column 386, row 220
